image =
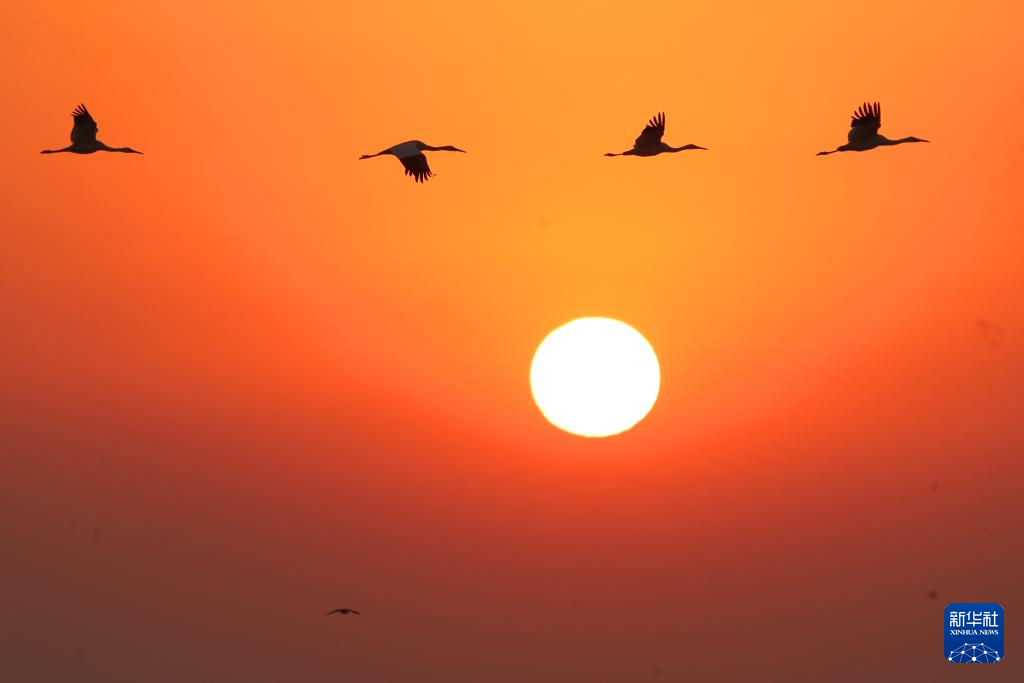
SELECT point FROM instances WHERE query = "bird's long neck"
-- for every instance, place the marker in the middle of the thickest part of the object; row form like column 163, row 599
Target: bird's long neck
column 103, row 147
column 682, row 149
column 424, row 147
column 882, row 140
column 56, row 151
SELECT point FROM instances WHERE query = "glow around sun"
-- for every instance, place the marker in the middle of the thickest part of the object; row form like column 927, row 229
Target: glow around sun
column 595, row 377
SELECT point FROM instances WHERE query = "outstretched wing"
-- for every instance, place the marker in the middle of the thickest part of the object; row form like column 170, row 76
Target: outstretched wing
column 868, row 116
column 84, row 131
column 416, row 166
column 652, row 132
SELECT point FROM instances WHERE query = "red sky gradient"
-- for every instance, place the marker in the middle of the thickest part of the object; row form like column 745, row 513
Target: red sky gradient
column 281, row 380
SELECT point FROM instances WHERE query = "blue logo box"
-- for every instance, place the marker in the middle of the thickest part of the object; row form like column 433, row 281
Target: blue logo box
column 974, row 633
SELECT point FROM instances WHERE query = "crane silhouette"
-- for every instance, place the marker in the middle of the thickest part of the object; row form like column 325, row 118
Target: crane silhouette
column 411, row 155
column 83, row 136
column 863, row 135
column 649, row 144
column 343, row 610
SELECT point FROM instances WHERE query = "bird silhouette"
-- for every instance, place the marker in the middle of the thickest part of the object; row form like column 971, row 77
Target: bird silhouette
column 411, row 155
column 649, row 144
column 993, row 333
column 863, row 135
column 83, row 136
column 343, row 610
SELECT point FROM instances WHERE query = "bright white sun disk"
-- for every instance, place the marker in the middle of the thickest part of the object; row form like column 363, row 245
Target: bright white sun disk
column 595, row 377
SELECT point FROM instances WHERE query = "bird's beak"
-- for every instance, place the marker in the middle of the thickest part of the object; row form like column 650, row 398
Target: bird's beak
column 703, row 148
column 365, row 156
column 460, row 150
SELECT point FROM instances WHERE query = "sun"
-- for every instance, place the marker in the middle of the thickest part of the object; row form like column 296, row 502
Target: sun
column 595, row 377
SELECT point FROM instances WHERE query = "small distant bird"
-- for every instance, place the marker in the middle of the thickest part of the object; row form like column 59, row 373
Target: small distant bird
column 932, row 594
column 649, row 144
column 411, row 155
column 83, row 136
column 993, row 333
column 343, row 610
column 863, row 135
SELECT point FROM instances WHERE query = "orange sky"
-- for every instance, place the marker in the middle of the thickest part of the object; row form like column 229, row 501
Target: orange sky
column 283, row 380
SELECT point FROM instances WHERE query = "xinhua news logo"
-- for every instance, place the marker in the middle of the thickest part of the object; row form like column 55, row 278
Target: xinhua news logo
column 974, row 633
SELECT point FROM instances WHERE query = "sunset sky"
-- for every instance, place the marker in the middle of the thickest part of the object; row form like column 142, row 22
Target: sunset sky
column 246, row 378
